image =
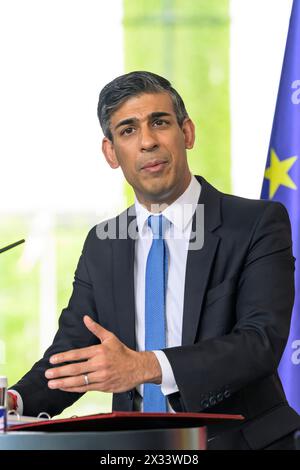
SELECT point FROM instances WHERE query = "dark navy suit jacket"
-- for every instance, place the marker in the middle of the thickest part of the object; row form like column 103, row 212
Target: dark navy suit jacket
column 239, row 294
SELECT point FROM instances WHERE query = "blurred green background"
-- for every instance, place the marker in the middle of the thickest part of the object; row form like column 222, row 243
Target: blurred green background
column 187, row 41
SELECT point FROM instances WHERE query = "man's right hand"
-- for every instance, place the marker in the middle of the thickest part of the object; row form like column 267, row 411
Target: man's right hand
column 11, row 402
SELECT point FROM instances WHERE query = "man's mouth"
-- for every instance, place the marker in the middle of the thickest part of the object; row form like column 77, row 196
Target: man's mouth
column 154, row 166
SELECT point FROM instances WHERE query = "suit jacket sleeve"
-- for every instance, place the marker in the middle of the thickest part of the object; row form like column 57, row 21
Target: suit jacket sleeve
column 264, row 301
column 72, row 334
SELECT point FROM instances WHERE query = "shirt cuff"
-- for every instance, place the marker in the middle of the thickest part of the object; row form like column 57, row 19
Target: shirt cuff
column 19, row 408
column 168, row 383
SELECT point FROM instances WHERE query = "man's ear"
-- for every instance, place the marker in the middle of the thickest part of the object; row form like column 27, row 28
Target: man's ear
column 188, row 129
column 109, row 153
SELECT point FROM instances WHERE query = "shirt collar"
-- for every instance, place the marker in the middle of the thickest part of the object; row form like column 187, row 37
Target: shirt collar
column 180, row 212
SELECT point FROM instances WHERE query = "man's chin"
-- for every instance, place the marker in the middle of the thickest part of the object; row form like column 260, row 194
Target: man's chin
column 159, row 195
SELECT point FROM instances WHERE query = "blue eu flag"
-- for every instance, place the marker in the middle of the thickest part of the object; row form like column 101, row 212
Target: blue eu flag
column 282, row 183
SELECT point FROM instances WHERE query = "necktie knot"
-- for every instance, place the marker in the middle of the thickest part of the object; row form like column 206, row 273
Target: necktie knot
column 158, row 225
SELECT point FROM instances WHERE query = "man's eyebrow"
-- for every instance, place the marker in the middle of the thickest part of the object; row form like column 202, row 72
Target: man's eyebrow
column 124, row 122
column 160, row 114
column 133, row 120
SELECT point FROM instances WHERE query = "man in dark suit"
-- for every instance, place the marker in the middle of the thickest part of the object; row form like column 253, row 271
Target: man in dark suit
column 227, row 300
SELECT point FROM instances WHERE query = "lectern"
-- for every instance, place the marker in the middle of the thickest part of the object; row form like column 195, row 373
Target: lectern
column 115, row 431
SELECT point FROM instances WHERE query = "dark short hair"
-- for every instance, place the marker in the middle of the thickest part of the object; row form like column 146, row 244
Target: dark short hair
column 116, row 92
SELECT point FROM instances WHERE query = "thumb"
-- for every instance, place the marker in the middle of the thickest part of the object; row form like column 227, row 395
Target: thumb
column 96, row 329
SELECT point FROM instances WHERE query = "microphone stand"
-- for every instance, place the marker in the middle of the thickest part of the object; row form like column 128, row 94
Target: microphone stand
column 8, row 247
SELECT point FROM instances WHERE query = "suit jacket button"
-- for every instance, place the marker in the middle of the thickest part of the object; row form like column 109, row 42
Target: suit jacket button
column 212, row 401
column 227, row 394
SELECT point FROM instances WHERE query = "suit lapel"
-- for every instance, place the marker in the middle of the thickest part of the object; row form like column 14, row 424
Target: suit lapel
column 200, row 262
column 123, row 280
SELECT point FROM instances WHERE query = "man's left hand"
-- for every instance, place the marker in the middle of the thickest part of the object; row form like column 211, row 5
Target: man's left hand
column 109, row 367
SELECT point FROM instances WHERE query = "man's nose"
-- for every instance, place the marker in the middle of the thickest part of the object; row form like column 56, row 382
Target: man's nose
column 148, row 139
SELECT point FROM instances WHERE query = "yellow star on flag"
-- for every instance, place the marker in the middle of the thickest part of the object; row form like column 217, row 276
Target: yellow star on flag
column 277, row 173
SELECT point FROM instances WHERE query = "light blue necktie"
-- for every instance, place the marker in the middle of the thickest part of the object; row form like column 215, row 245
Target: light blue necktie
column 155, row 303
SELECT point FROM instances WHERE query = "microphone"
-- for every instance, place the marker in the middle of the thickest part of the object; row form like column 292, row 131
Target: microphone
column 8, row 247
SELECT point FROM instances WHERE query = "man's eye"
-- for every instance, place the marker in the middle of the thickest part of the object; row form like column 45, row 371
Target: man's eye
column 127, row 131
column 160, row 122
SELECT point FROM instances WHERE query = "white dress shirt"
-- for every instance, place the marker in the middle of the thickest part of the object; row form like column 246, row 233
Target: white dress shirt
column 177, row 236
column 180, row 214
